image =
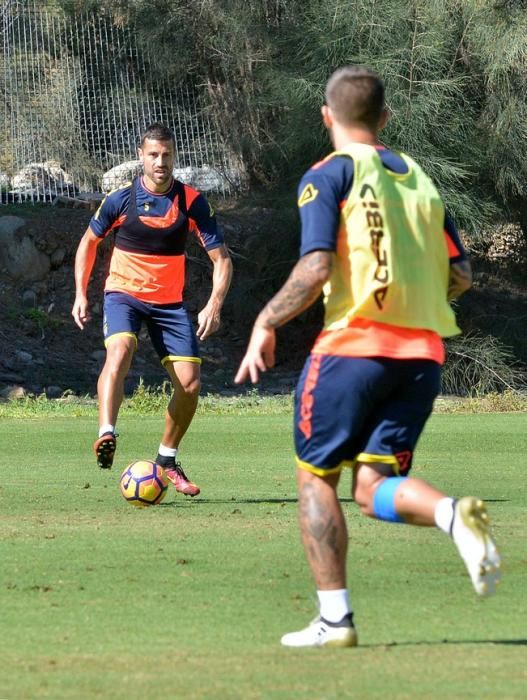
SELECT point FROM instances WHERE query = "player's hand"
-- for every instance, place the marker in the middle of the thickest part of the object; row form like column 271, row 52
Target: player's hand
column 80, row 312
column 260, row 355
column 208, row 321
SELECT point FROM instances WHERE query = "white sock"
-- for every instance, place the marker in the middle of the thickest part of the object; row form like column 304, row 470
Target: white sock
column 165, row 451
column 107, row 428
column 444, row 514
column 334, row 605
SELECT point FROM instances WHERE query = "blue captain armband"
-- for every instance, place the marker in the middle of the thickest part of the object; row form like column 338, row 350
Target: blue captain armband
column 384, row 500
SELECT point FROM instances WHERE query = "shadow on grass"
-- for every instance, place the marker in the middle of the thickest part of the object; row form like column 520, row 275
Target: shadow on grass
column 503, row 642
column 249, row 501
column 295, row 500
column 233, row 500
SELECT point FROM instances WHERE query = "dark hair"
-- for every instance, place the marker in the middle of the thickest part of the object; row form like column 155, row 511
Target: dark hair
column 157, row 132
column 355, row 95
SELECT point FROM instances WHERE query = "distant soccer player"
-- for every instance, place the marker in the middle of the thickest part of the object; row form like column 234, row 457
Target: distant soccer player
column 376, row 240
column 152, row 219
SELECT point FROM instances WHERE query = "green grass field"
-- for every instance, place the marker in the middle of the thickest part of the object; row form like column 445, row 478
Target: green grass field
column 189, row 599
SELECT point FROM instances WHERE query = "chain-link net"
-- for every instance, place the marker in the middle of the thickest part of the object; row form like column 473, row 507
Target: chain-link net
column 75, row 95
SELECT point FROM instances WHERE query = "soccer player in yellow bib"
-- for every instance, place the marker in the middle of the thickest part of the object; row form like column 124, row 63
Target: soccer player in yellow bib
column 377, row 242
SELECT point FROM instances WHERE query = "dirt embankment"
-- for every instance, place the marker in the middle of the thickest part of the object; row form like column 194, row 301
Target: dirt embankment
column 41, row 349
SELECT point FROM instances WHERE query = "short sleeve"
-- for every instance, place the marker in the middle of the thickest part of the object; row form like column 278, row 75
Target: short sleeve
column 110, row 212
column 208, row 231
column 318, row 207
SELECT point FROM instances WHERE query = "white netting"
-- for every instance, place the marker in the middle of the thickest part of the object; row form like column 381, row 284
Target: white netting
column 75, row 96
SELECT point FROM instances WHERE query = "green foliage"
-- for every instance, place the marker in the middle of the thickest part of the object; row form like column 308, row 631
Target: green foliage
column 455, row 73
column 428, row 91
column 495, row 46
column 39, row 317
column 40, row 407
column 152, row 401
column 148, row 401
column 35, row 321
column 508, row 401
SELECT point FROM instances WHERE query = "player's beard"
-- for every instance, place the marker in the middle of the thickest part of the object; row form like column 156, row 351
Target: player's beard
column 162, row 179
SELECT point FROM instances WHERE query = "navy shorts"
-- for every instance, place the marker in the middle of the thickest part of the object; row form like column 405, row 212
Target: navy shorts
column 350, row 409
column 168, row 325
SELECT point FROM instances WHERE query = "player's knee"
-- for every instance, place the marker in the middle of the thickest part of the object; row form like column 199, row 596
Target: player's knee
column 119, row 355
column 366, row 479
column 363, row 496
column 190, row 387
column 194, row 387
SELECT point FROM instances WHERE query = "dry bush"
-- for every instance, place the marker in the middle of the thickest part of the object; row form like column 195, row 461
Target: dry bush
column 477, row 366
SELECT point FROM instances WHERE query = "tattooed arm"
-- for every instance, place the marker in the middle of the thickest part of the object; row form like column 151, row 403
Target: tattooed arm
column 460, row 279
column 301, row 289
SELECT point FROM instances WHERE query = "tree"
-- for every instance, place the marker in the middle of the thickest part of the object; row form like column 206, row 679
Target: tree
column 455, row 73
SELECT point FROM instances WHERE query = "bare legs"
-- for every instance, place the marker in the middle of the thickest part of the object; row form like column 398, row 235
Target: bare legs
column 110, row 386
column 185, row 378
column 323, row 529
column 415, row 499
column 323, row 526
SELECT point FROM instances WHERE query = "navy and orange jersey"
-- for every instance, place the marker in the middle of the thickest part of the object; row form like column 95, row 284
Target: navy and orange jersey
column 151, row 232
column 322, row 194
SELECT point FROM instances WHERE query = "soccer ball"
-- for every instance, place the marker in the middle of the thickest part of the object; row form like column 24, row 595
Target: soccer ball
column 143, row 483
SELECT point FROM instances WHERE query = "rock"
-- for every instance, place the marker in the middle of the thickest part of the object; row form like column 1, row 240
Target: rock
column 57, row 258
column 9, row 225
column 94, row 198
column 9, row 364
column 121, row 175
column 40, row 287
column 13, row 393
column 18, row 253
column 208, row 179
column 41, row 180
column 53, row 392
column 204, row 179
column 10, row 377
column 29, row 299
column 24, row 357
column 76, row 202
column 185, row 175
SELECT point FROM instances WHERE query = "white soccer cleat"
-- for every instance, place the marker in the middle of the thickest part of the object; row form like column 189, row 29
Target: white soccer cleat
column 320, row 633
column 471, row 534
